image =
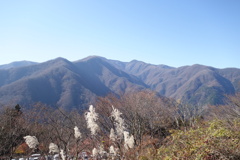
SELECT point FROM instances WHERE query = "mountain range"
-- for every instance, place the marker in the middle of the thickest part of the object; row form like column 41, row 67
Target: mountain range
column 65, row 84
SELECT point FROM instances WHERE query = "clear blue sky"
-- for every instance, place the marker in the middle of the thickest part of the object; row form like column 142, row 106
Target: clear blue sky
column 171, row 32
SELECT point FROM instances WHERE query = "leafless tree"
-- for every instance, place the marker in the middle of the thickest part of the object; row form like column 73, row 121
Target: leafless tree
column 12, row 129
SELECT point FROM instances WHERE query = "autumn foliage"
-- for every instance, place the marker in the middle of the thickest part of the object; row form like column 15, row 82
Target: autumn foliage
column 142, row 125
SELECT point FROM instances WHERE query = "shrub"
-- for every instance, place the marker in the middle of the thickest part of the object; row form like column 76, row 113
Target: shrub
column 213, row 140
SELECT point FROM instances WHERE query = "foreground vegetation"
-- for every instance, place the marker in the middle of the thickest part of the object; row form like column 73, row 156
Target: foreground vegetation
column 135, row 126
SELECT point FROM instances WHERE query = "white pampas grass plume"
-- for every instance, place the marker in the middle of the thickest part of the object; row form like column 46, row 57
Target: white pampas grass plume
column 101, row 150
column 112, row 135
column 53, row 148
column 112, row 151
column 128, row 140
column 94, row 152
column 62, row 154
column 91, row 118
column 77, row 133
column 119, row 122
column 31, row 141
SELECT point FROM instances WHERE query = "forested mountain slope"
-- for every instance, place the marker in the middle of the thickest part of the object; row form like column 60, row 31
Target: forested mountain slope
column 61, row 83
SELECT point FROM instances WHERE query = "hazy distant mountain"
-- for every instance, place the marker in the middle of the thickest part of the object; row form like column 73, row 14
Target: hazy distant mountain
column 195, row 84
column 66, row 84
column 17, row 64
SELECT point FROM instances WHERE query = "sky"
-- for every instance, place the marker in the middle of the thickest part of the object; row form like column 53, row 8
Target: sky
column 170, row 32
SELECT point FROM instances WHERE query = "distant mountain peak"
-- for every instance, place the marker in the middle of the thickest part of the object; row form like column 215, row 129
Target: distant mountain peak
column 165, row 66
column 160, row 65
column 136, row 61
column 58, row 60
column 92, row 57
column 17, row 64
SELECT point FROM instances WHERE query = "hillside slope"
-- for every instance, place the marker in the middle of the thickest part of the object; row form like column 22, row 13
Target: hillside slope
column 61, row 83
column 196, row 84
column 65, row 84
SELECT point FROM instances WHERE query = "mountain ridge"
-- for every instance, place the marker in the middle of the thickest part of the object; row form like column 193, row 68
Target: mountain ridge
column 17, row 64
column 66, row 84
